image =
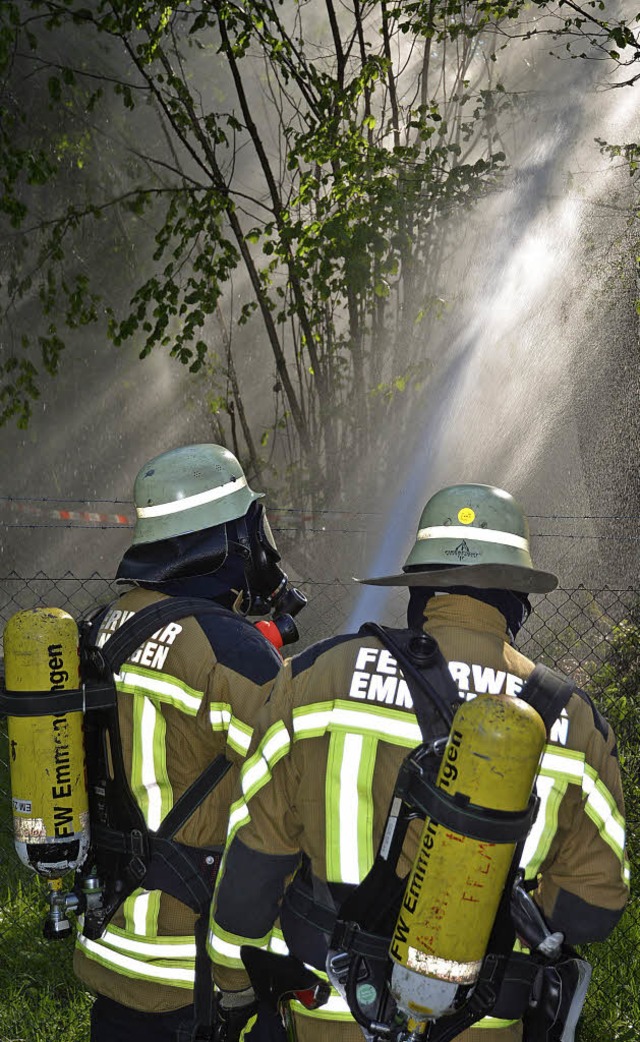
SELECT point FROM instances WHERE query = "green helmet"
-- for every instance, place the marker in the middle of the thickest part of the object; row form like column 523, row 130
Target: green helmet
column 476, row 535
column 189, row 489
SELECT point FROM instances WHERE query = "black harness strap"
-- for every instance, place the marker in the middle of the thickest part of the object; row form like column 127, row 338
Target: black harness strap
column 358, row 929
column 425, row 670
column 155, row 860
column 108, row 659
column 186, row 873
column 427, row 674
column 50, row 703
column 143, row 624
column 192, row 797
column 548, row 692
column 458, row 812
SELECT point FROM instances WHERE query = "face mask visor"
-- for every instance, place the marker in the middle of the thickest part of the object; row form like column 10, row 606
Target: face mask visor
column 270, row 591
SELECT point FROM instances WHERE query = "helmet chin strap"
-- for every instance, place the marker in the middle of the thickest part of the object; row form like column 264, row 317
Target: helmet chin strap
column 240, row 606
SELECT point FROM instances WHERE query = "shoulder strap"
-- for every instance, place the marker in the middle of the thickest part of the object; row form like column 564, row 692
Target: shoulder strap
column 116, row 651
column 120, row 830
column 145, row 622
column 425, row 670
column 192, row 797
column 548, row 692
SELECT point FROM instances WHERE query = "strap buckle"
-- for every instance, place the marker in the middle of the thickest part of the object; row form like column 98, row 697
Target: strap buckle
column 138, row 846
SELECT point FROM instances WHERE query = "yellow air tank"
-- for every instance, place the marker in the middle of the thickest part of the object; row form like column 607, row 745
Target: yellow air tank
column 456, row 882
column 46, row 753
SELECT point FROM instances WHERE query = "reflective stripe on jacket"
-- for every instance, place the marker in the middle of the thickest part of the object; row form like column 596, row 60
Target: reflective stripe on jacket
column 325, row 757
column 189, row 694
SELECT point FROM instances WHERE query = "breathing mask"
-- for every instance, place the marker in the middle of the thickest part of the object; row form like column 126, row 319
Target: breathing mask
column 268, row 587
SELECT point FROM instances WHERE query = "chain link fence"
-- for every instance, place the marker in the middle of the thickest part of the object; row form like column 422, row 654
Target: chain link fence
column 591, row 635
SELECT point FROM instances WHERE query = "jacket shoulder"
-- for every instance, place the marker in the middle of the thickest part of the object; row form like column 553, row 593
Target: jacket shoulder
column 239, row 646
column 308, row 658
column 599, row 721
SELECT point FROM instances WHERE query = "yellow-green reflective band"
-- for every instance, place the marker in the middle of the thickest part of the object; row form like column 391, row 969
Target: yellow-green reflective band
column 493, row 1022
column 141, row 910
column 247, row 1028
column 388, row 725
column 550, row 792
column 335, row 758
column 149, row 779
column 602, row 810
column 569, row 766
column 255, row 774
column 257, row 770
column 162, row 687
column 150, row 947
column 175, row 972
column 348, row 796
column 277, row 943
column 365, row 805
column 224, row 947
column 238, row 816
column 275, row 744
column 239, row 734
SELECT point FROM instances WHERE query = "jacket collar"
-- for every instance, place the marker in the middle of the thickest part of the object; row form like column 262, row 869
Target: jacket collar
column 452, row 609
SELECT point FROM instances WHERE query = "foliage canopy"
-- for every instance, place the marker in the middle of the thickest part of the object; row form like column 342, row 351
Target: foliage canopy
column 291, row 167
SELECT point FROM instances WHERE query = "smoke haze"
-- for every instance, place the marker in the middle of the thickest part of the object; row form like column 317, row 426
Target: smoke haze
column 534, row 382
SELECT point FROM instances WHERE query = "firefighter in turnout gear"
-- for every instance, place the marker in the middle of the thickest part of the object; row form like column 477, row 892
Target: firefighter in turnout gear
column 187, row 698
column 325, row 757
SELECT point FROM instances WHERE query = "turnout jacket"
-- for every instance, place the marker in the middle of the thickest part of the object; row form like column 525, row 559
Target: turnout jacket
column 318, row 781
column 187, row 695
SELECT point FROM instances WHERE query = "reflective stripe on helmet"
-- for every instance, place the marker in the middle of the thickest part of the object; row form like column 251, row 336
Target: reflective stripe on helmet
column 197, row 500
column 487, row 535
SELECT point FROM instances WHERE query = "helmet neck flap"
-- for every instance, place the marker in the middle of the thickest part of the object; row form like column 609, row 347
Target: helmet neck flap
column 239, row 557
column 199, row 561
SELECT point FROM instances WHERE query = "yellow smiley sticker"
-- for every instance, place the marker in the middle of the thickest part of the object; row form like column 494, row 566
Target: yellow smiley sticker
column 466, row 515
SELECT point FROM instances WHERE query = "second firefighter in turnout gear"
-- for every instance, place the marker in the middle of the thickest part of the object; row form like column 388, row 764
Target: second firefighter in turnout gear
column 328, row 747
column 187, row 696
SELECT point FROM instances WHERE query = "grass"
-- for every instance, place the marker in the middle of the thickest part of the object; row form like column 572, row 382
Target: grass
column 40, row 998
column 612, row 1009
